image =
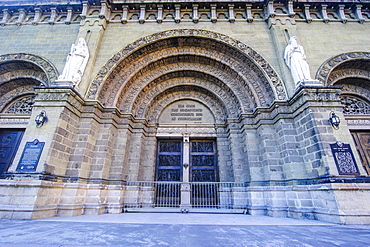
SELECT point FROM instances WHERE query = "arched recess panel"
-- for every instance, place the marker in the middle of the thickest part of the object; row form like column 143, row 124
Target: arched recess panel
column 196, row 82
column 243, row 73
column 22, row 105
column 354, row 65
column 19, row 74
column 13, row 90
column 28, row 62
column 351, row 72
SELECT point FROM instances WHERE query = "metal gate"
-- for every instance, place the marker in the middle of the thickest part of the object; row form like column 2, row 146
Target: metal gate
column 204, row 195
column 201, row 155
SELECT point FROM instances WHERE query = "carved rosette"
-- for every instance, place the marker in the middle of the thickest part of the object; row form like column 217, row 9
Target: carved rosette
column 324, row 74
column 264, row 67
column 49, row 69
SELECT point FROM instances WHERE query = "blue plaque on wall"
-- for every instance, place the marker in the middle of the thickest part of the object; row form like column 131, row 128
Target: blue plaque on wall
column 344, row 159
column 30, row 156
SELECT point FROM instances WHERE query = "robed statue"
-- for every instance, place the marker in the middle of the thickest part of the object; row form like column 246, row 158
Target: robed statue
column 76, row 63
column 295, row 59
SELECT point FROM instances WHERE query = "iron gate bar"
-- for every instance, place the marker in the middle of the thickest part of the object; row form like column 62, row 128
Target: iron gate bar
column 211, row 195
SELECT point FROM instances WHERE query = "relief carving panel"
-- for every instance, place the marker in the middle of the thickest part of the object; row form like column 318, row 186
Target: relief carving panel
column 7, row 98
column 218, row 88
column 326, row 68
column 22, row 106
column 264, row 71
column 354, row 106
column 49, row 69
column 250, row 81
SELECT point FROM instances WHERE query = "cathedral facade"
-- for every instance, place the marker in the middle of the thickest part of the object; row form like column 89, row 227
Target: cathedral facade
column 258, row 107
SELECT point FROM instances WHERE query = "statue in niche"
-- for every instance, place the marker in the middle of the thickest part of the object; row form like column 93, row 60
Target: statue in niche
column 76, row 63
column 295, row 59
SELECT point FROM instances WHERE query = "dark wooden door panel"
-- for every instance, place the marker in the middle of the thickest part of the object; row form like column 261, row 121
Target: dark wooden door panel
column 362, row 142
column 9, row 142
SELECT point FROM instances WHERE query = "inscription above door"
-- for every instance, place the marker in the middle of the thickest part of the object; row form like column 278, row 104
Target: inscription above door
column 186, row 112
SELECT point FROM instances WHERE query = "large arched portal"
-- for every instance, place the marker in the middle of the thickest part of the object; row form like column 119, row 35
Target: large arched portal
column 186, row 93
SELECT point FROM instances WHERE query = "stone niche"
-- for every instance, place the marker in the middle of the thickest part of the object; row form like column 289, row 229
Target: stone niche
column 186, row 112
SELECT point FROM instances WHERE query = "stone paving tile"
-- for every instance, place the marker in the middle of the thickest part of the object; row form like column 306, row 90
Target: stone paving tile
column 60, row 232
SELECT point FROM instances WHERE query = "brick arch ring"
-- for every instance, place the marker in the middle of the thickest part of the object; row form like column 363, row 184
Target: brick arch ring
column 264, row 67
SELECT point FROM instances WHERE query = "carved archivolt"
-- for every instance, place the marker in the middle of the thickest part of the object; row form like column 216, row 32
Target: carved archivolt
column 169, row 61
column 194, row 83
column 325, row 74
column 23, row 74
column 336, row 76
column 234, row 57
column 47, row 67
column 189, row 70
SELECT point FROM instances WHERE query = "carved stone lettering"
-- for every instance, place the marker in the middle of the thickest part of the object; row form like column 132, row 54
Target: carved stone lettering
column 186, row 111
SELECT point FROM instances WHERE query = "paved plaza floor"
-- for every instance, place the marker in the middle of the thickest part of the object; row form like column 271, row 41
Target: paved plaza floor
column 176, row 229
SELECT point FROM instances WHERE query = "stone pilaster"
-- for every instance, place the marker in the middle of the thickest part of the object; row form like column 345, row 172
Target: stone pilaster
column 239, row 158
column 121, row 149
column 315, row 133
column 63, row 108
column 132, row 170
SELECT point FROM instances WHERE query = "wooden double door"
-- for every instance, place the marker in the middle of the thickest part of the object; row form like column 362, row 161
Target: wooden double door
column 362, row 142
column 202, row 165
column 9, row 142
column 202, row 171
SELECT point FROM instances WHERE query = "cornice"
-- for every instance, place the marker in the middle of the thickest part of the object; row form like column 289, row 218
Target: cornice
column 140, row 11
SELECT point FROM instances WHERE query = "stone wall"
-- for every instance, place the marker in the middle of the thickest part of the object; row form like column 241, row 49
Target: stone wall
column 51, row 42
column 101, row 134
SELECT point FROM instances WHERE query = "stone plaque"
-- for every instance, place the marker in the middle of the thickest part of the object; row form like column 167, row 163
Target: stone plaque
column 186, row 112
column 344, row 159
column 30, row 156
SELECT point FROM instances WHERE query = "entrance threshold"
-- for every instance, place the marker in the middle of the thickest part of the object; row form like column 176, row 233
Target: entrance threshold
column 190, row 210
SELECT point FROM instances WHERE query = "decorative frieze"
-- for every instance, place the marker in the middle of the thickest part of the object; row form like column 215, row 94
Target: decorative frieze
column 14, row 121
column 40, row 14
column 171, row 11
column 358, row 122
column 190, row 130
